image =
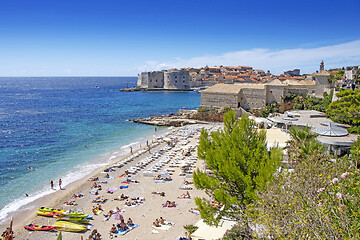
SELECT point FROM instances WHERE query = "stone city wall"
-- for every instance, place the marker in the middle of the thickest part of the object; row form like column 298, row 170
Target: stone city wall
column 177, row 80
column 219, row 100
column 252, row 98
column 274, row 94
column 156, row 79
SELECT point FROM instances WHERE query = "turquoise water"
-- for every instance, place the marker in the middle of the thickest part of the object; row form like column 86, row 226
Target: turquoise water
column 56, row 125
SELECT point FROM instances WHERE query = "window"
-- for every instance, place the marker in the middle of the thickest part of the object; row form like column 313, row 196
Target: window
column 183, row 81
column 175, row 76
column 150, row 80
column 175, row 81
column 156, row 80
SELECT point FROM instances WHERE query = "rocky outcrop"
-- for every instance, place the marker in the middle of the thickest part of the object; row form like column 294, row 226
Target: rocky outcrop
column 183, row 117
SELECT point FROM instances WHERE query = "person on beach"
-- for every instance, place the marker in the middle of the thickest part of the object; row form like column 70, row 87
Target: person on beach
column 162, row 221
column 147, row 142
column 52, row 184
column 157, row 223
column 60, row 182
column 122, row 225
column 113, row 229
column 130, row 222
column 131, row 150
column 97, row 236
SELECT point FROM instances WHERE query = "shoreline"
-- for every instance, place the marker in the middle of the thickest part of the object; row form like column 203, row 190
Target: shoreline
column 148, row 213
column 48, row 196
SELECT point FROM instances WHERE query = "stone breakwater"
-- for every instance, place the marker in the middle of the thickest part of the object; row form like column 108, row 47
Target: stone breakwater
column 175, row 121
column 182, row 118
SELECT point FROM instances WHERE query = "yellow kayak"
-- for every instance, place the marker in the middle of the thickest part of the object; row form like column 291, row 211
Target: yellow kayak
column 47, row 214
column 68, row 226
column 45, row 209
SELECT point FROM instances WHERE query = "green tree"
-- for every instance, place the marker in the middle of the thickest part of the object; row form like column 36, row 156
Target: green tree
column 346, row 109
column 301, row 143
column 241, row 165
column 317, row 199
column 190, row 229
column 334, row 77
column 357, row 76
column 355, row 152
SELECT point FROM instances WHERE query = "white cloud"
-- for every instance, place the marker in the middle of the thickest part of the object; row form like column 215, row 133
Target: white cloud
column 307, row 59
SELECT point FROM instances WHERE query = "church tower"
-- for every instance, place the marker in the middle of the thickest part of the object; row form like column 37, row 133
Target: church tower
column 322, row 66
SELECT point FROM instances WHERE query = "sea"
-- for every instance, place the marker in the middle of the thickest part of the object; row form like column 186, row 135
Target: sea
column 65, row 127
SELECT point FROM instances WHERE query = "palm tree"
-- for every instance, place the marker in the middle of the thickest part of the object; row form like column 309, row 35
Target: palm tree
column 190, row 229
column 302, row 143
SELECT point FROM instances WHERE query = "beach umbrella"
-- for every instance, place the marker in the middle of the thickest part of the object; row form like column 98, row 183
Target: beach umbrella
column 117, row 216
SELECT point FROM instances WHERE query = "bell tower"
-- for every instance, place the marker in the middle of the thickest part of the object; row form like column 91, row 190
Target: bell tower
column 322, row 66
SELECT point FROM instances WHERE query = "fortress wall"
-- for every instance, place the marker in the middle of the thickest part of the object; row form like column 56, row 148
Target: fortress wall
column 156, row 79
column 219, row 100
column 274, row 94
column 252, row 98
column 143, row 80
column 177, row 80
column 321, row 85
column 297, row 90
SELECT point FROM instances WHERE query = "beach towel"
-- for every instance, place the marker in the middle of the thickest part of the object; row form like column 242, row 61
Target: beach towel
column 122, row 175
column 98, row 212
column 93, row 179
column 94, row 192
column 197, row 212
column 160, row 181
column 102, row 201
column 109, row 177
column 183, row 197
column 164, row 227
column 121, row 187
column 126, row 182
column 127, row 230
column 111, row 190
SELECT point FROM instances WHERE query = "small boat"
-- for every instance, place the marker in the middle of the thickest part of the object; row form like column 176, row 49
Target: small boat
column 47, row 214
column 32, row 227
column 73, row 219
column 76, row 215
column 68, row 226
column 45, row 209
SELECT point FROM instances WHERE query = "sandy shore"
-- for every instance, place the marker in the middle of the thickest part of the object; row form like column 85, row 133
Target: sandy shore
column 143, row 214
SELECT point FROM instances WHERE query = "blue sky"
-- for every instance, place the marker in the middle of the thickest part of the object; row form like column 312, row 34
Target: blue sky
column 122, row 38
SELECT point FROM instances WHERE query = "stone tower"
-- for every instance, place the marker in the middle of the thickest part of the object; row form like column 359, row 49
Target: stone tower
column 322, row 66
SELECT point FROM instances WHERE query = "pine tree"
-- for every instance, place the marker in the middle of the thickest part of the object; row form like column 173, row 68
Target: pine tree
column 241, row 164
